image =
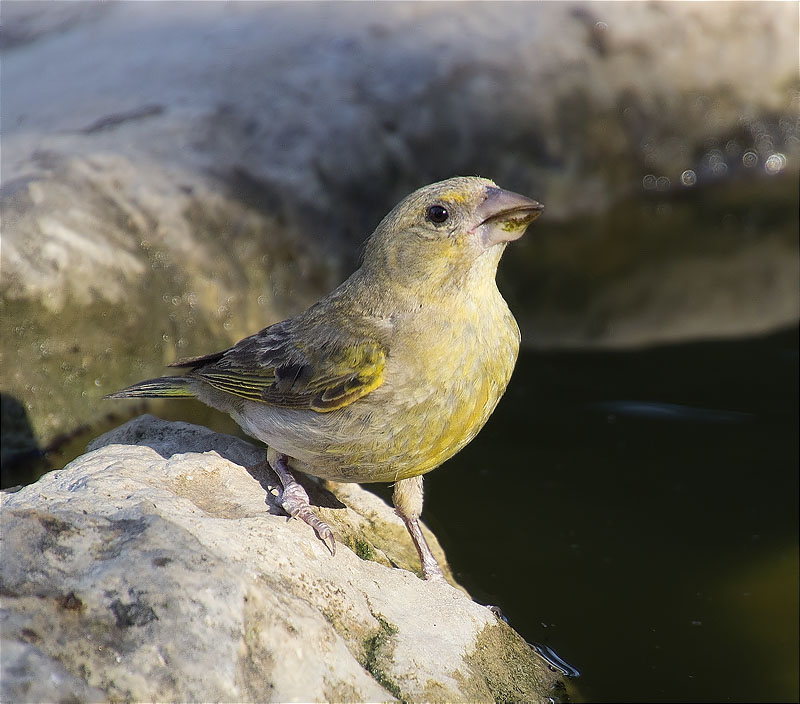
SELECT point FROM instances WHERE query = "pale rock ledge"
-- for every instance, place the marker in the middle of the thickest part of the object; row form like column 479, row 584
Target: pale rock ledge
column 157, row 568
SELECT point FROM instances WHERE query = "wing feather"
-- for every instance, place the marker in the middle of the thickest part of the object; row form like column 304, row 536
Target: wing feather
column 273, row 368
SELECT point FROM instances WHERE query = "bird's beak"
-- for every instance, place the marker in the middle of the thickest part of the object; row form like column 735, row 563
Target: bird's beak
column 504, row 216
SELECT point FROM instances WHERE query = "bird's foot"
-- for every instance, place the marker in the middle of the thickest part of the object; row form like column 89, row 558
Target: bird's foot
column 294, row 500
column 430, row 568
column 407, row 500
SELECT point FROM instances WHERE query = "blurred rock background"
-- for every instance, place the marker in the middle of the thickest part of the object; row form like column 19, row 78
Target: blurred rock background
column 176, row 176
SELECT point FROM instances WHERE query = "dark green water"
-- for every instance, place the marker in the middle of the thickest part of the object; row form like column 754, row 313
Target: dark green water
column 654, row 547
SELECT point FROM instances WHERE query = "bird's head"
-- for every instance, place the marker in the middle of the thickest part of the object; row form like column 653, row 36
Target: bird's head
column 442, row 232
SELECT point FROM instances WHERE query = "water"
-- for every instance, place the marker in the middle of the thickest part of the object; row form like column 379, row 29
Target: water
column 653, row 545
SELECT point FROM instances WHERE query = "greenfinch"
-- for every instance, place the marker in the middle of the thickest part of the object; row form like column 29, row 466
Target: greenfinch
column 394, row 371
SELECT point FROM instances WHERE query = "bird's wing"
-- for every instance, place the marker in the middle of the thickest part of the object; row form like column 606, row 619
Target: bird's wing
column 274, row 367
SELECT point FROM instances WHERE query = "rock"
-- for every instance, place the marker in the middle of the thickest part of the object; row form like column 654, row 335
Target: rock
column 111, row 266
column 344, row 110
column 156, row 567
column 194, row 173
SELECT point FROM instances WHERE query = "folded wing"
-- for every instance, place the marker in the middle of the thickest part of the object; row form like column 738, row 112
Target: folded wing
column 276, row 367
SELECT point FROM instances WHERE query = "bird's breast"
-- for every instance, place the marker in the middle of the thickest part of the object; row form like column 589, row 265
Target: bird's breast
column 444, row 375
column 444, row 381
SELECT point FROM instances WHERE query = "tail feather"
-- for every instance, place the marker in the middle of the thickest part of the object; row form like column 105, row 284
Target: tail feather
column 163, row 387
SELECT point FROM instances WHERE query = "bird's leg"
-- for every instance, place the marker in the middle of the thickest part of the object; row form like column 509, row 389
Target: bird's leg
column 407, row 500
column 294, row 499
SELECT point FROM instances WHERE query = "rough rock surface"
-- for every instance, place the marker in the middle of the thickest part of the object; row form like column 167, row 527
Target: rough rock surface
column 177, row 176
column 157, row 568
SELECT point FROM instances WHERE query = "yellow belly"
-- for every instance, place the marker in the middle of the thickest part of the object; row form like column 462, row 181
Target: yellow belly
column 438, row 393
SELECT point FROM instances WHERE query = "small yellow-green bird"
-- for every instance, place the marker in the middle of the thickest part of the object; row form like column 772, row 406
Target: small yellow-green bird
column 393, row 372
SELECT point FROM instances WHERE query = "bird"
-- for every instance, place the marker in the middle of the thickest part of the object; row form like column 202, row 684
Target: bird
column 390, row 374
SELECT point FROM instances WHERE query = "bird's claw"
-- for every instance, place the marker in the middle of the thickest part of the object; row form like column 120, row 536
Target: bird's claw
column 322, row 529
column 431, row 571
column 326, row 536
column 294, row 500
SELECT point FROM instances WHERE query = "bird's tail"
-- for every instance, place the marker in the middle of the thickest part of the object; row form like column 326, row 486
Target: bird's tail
column 163, row 387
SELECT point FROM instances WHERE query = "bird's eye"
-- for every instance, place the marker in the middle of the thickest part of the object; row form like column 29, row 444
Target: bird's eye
column 437, row 214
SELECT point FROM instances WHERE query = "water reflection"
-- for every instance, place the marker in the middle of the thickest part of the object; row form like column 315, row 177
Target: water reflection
column 653, row 410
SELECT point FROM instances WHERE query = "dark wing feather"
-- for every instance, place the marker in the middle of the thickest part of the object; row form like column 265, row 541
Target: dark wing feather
column 275, row 368
column 195, row 362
